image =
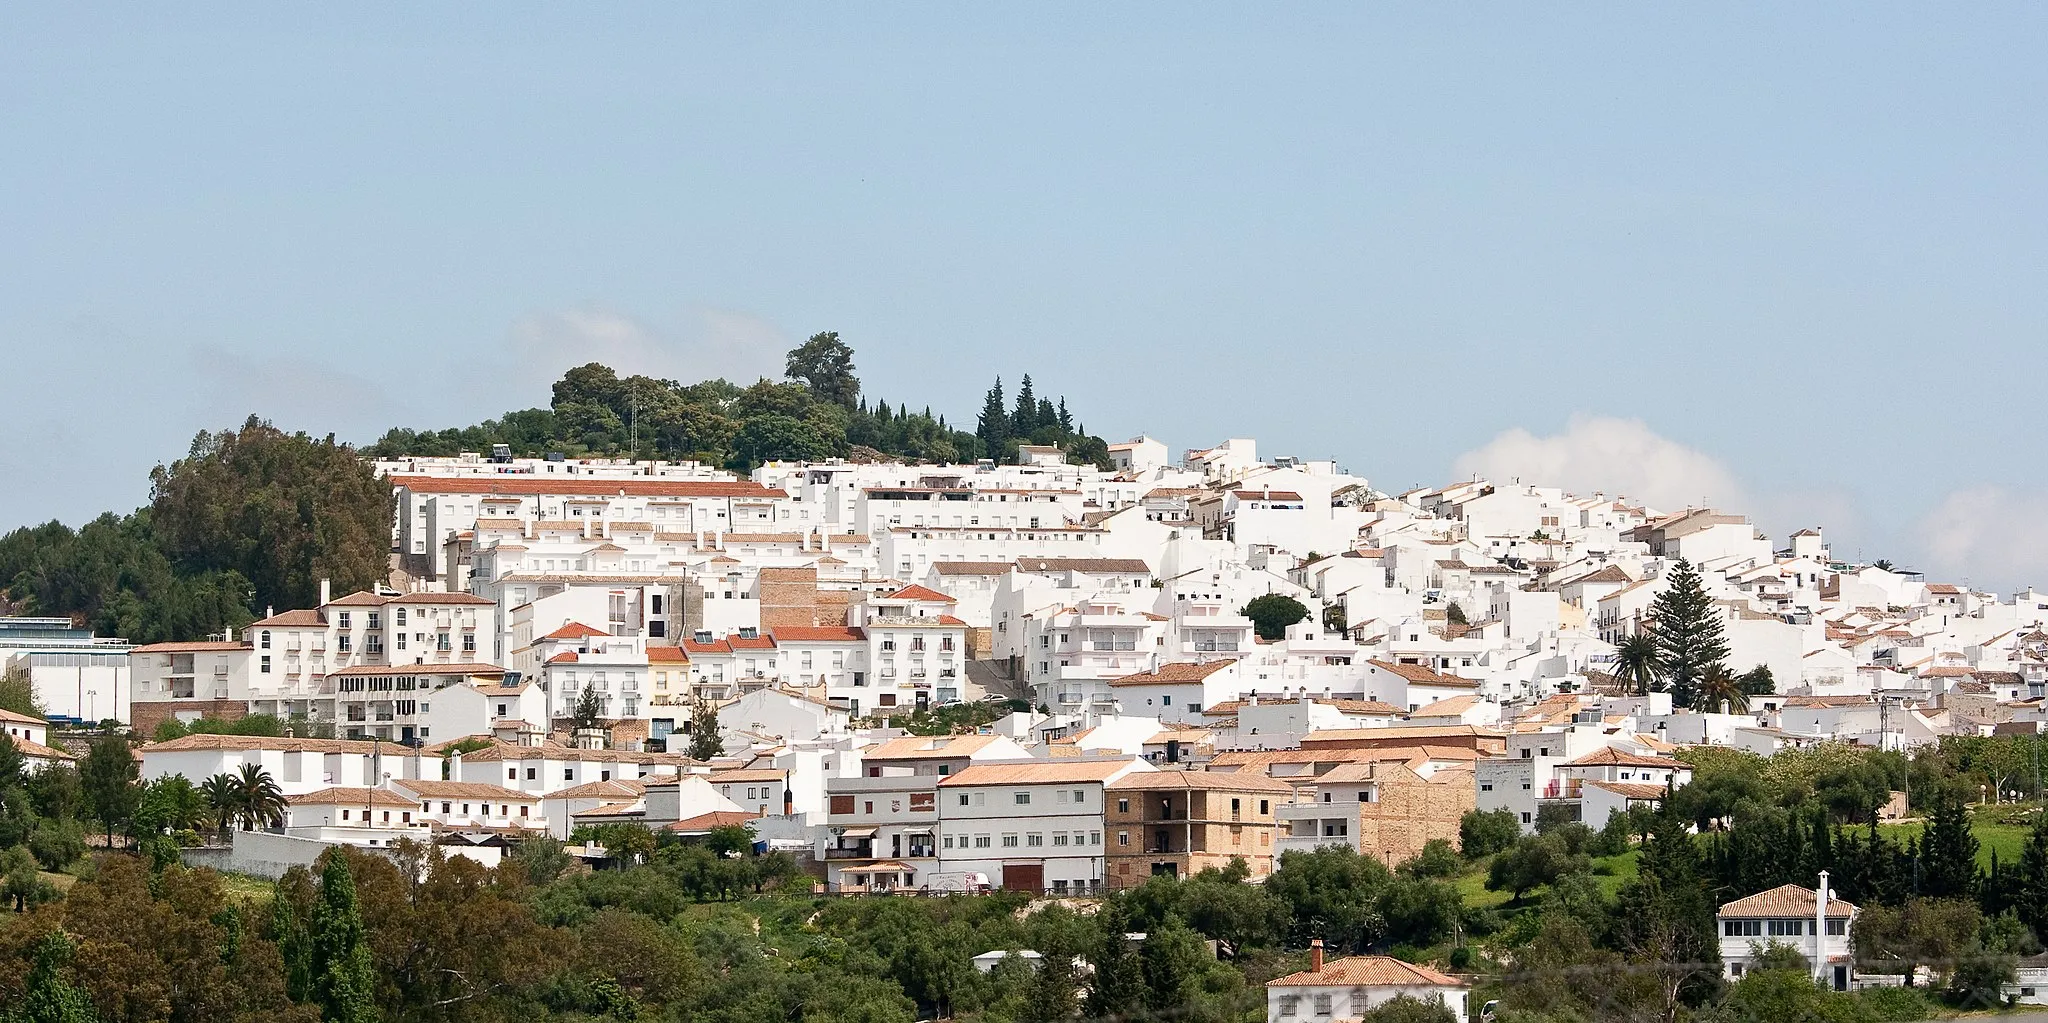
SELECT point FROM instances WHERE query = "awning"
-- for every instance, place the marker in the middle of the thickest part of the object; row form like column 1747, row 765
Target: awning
column 883, row 867
column 858, row 833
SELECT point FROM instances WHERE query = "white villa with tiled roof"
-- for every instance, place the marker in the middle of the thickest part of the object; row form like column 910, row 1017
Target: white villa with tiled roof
column 1347, row 988
column 1814, row 923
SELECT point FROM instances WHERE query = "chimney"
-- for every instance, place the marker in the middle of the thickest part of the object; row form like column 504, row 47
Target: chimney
column 1315, row 956
column 1820, row 930
column 326, row 591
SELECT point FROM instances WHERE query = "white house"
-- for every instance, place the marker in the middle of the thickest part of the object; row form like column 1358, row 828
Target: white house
column 1035, row 826
column 1347, row 988
column 1814, row 923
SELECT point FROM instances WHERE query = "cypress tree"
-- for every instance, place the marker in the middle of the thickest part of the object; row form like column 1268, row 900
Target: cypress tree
column 1691, row 637
column 1066, row 418
column 994, row 427
column 1948, row 854
column 344, row 980
column 1025, row 419
column 290, row 934
column 2030, row 878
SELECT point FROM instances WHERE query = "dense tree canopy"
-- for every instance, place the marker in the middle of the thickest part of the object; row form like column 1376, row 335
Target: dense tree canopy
column 820, row 410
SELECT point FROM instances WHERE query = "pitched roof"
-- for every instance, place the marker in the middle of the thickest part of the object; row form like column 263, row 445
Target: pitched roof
column 1177, row 672
column 916, row 592
column 743, row 776
column 972, row 567
column 189, row 648
column 22, row 719
column 1785, row 900
column 1368, row 971
column 714, row 819
column 1037, row 772
column 1227, row 781
column 345, row 796
column 291, row 619
column 36, row 750
column 657, row 654
column 436, row 789
column 609, row 789
column 930, row 747
column 1608, row 756
column 210, row 743
column 1422, row 674
column 1092, row 566
column 1631, row 789
column 633, row 487
column 575, row 630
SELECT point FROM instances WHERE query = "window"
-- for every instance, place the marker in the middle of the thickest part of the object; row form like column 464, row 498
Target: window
column 963, row 799
column 1486, row 786
column 947, row 842
column 1785, row 928
column 1095, row 838
column 266, row 639
column 1265, row 806
column 1123, row 806
column 266, row 664
column 1742, row 928
column 1080, row 795
column 399, row 617
column 1009, row 841
column 469, row 642
column 341, row 620
column 568, row 774
column 530, row 774
column 1838, row 927
column 1322, row 1005
column 1034, row 840
column 1023, row 798
column 1123, row 838
column 1060, row 838
column 981, row 841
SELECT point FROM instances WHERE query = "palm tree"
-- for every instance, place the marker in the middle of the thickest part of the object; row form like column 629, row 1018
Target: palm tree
column 1635, row 662
column 219, row 791
column 258, row 802
column 1718, row 688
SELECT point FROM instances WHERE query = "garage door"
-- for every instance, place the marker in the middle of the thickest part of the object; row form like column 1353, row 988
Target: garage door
column 1024, row 877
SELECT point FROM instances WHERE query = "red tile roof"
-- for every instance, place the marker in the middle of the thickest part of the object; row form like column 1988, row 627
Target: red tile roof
column 1168, row 674
column 1368, row 971
column 916, row 592
column 592, row 487
column 575, row 630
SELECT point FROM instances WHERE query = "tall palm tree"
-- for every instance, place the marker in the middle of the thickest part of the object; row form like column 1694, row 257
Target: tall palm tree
column 259, row 803
column 1718, row 688
column 1635, row 662
column 221, row 800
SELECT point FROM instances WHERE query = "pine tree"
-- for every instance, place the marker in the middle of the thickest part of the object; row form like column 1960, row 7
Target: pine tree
column 1691, row 637
column 1025, row 418
column 1066, row 418
column 344, row 979
column 994, row 427
column 1117, row 989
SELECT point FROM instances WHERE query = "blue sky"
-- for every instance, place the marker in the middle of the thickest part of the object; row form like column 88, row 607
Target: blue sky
column 1793, row 258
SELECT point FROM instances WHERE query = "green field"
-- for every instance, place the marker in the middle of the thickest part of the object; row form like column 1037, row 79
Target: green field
column 1610, row 871
column 1992, row 836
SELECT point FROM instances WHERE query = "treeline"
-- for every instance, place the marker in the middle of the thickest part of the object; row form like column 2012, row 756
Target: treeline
column 818, row 411
column 249, row 518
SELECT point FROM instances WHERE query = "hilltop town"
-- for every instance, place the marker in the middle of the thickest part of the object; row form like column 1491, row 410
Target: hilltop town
column 1054, row 675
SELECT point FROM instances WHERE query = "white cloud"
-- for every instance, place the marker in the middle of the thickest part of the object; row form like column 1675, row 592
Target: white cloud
column 711, row 343
column 1612, row 455
column 1990, row 535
